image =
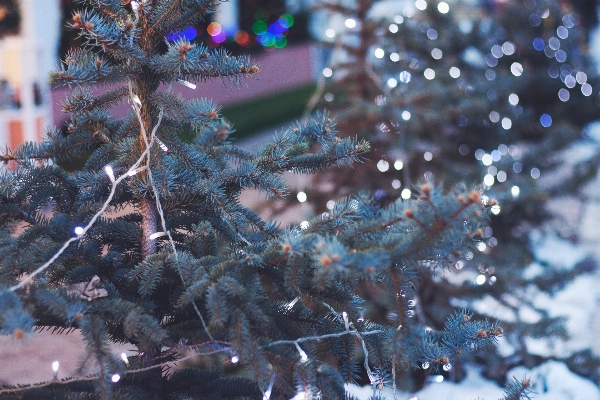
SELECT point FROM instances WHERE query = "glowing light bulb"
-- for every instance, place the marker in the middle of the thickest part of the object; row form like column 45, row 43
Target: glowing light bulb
column 383, row 165
column 115, row 378
column 78, row 231
column 506, row 123
column 346, row 323
column 437, row 53
column 516, row 69
column 515, row 191
column 480, row 279
column 443, row 7
column 235, row 359
column 55, row 365
column 379, row 53
column 405, row 76
column 186, row 83
column 124, row 358
column 301, row 196
column 429, row 74
column 454, row 72
column 488, row 180
column 327, row 72
column 350, row 23
column 162, row 145
column 109, row 171
column 303, row 356
column 405, row 115
column 398, row 165
column 292, row 303
column 405, row 194
column 487, row 160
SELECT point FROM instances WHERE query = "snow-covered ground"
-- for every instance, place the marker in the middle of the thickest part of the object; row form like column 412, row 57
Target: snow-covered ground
column 550, row 381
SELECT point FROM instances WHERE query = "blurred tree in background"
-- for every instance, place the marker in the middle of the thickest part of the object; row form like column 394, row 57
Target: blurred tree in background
column 494, row 94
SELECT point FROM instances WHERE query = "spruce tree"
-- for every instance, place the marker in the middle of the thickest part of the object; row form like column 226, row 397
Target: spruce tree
column 483, row 94
column 147, row 244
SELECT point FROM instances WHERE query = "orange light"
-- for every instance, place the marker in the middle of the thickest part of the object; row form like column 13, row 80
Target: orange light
column 213, row 29
column 242, row 38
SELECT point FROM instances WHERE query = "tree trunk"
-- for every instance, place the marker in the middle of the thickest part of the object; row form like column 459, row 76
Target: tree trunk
column 149, row 224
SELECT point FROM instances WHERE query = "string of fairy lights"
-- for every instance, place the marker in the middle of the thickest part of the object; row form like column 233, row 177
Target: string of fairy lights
column 500, row 162
column 225, row 347
column 570, row 75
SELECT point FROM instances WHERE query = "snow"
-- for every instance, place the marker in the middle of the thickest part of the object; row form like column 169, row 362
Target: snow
column 556, row 251
column 577, row 303
column 472, row 387
column 552, row 380
column 493, row 308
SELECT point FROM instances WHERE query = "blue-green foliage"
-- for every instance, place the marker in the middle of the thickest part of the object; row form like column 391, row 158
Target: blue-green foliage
column 237, row 290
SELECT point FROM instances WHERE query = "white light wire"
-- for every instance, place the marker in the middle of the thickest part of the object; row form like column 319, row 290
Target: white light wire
column 159, row 206
column 114, row 184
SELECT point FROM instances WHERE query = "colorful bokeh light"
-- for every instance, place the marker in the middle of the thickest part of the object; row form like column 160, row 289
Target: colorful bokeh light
column 189, row 33
column 274, row 34
column 281, row 42
column 220, row 37
column 286, row 21
column 216, row 32
column 269, row 35
column 242, row 38
column 214, row 29
column 259, row 27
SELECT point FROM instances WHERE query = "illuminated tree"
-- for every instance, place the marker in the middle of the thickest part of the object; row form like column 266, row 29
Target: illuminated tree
column 489, row 95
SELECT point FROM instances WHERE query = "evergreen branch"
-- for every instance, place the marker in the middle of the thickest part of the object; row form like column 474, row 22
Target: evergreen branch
column 81, row 66
column 516, row 389
column 22, row 388
column 163, row 16
column 131, row 171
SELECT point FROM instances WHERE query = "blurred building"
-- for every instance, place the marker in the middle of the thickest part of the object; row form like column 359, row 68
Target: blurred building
column 28, row 51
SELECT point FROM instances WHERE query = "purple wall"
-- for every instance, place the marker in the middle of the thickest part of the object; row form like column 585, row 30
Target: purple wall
column 280, row 70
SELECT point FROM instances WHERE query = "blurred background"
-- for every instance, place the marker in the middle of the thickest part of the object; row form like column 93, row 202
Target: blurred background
column 502, row 94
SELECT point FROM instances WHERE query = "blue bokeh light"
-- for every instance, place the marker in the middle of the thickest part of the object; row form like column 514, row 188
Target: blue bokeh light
column 189, row 33
column 276, row 29
column 267, row 39
column 538, row 44
column 546, row 120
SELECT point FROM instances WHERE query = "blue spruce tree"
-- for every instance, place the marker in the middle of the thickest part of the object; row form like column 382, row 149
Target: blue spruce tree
column 147, row 243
